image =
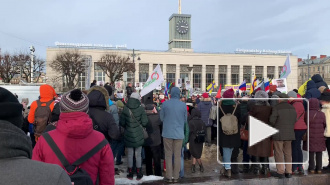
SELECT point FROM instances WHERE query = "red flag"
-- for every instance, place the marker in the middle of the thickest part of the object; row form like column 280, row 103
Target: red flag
column 219, row 93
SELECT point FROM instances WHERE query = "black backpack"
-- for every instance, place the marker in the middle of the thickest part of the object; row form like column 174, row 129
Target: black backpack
column 78, row 175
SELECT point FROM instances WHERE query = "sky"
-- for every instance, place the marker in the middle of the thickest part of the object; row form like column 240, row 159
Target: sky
column 300, row 26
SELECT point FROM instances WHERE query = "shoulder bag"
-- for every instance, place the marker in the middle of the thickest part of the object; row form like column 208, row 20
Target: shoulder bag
column 145, row 133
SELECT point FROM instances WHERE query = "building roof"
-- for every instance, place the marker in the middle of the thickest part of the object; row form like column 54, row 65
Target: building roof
column 314, row 61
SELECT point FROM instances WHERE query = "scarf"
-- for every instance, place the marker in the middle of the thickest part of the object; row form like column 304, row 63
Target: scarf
column 326, row 110
column 13, row 142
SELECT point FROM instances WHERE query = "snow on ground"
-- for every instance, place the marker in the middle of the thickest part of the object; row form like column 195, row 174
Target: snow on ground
column 125, row 181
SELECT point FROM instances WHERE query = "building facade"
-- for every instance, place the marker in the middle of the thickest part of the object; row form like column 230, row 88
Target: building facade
column 309, row 67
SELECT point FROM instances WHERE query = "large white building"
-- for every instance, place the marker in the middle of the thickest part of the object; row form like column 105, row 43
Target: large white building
column 181, row 62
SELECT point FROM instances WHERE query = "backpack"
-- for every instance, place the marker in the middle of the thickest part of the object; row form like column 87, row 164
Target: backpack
column 42, row 117
column 229, row 122
column 77, row 175
column 213, row 112
column 200, row 136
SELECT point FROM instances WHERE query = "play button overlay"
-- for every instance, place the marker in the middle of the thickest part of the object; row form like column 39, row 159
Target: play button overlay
column 259, row 131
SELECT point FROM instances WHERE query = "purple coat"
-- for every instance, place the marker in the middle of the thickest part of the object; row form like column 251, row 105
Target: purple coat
column 316, row 127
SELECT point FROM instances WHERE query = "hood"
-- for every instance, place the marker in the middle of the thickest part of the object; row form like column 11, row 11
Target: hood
column 13, row 141
column 195, row 113
column 75, row 124
column 317, row 78
column 175, row 93
column 98, row 97
column 314, row 104
column 47, row 93
column 133, row 103
column 311, row 85
column 120, row 104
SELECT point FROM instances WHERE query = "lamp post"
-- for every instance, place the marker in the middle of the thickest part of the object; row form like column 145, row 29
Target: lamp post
column 133, row 55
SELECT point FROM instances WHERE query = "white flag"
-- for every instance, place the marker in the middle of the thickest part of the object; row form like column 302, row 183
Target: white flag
column 286, row 70
column 154, row 80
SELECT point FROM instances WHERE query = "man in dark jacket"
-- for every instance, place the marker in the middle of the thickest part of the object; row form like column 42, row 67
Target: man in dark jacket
column 102, row 120
column 312, row 90
column 93, row 84
column 16, row 166
column 129, row 90
column 283, row 118
column 319, row 81
column 153, row 142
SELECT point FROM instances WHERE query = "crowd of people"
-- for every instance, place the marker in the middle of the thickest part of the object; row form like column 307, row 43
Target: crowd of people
column 80, row 136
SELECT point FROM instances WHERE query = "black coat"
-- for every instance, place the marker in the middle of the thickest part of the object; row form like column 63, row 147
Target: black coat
column 153, row 129
column 129, row 91
column 229, row 141
column 319, row 81
column 283, row 118
column 103, row 121
column 195, row 124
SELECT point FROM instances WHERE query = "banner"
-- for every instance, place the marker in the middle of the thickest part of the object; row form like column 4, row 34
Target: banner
column 286, row 70
column 188, row 86
column 179, row 83
column 281, row 84
column 119, row 85
column 154, row 80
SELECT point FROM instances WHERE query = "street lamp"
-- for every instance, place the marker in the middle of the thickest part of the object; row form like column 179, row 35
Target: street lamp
column 133, row 55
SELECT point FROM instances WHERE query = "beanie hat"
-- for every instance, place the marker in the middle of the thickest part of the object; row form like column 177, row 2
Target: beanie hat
column 325, row 96
column 261, row 94
column 292, row 94
column 11, row 109
column 74, row 101
column 228, row 93
column 136, row 95
column 273, row 88
column 282, row 95
column 108, row 88
column 205, row 95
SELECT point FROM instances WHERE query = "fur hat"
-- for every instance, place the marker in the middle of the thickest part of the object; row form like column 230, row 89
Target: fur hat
column 322, row 88
column 261, row 94
column 228, row 93
column 136, row 95
column 292, row 94
column 11, row 109
column 74, row 101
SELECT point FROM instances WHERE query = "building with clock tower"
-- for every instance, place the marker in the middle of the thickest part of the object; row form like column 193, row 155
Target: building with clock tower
column 180, row 33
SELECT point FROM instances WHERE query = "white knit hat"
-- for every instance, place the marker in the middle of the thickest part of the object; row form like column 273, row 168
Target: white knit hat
column 136, row 95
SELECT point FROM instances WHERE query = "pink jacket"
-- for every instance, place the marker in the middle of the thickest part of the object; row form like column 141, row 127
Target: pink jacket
column 74, row 135
column 300, row 123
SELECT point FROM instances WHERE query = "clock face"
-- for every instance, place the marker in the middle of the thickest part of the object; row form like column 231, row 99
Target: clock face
column 182, row 27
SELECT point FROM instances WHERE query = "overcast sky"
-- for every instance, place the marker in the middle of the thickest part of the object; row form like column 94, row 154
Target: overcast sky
column 301, row 26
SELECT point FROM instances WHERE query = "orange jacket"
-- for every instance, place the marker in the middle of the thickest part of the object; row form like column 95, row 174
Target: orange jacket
column 47, row 93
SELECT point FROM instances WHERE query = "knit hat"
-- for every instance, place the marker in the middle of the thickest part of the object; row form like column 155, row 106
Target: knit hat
column 205, row 95
column 261, row 94
column 11, row 109
column 136, row 95
column 228, row 93
column 74, row 101
column 325, row 96
column 282, row 95
column 273, row 88
column 292, row 94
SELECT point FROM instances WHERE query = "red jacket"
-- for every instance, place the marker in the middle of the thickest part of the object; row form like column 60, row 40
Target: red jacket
column 300, row 110
column 74, row 135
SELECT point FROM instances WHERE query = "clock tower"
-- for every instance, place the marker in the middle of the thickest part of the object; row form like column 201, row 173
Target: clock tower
column 180, row 32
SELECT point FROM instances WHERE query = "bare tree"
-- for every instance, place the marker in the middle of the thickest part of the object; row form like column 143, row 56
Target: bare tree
column 115, row 65
column 24, row 60
column 7, row 67
column 70, row 64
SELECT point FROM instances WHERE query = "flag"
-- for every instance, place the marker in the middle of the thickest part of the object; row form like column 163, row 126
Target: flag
column 242, row 87
column 286, row 70
column 253, row 84
column 219, row 93
column 211, row 87
column 270, row 82
column 260, row 86
column 165, row 90
column 266, row 84
column 154, row 80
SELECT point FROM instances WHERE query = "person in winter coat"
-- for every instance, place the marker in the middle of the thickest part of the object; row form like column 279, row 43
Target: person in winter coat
column 317, row 124
column 129, row 90
column 300, row 128
column 184, row 145
column 312, row 91
column 319, row 81
column 16, row 166
column 196, row 125
column 173, row 114
column 229, row 143
column 283, row 118
column 93, row 84
column 260, row 152
column 102, row 120
column 113, row 110
column 133, row 119
column 325, row 102
column 75, row 136
column 47, row 94
column 153, row 142
column 204, row 107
